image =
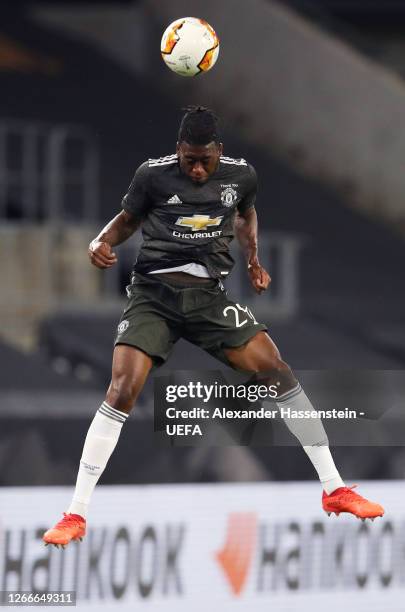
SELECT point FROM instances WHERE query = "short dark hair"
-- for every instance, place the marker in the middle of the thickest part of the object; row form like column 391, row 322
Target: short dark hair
column 199, row 126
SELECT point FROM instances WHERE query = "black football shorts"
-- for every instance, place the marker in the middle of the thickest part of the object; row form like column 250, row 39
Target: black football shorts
column 160, row 312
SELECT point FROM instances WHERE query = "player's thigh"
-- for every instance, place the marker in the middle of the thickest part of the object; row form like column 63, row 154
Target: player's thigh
column 259, row 353
column 130, row 369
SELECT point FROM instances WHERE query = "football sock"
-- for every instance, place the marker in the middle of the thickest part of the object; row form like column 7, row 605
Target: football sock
column 100, row 442
column 312, row 435
column 322, row 460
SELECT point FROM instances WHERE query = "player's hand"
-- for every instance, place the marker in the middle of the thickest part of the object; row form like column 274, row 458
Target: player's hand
column 101, row 254
column 259, row 277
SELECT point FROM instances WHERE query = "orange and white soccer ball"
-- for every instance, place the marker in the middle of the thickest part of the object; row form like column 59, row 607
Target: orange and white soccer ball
column 189, row 46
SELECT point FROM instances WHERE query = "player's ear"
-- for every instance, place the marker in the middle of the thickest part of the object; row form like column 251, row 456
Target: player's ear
column 220, row 148
column 177, row 147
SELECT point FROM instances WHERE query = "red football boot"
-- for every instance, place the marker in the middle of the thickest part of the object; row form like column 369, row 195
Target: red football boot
column 71, row 527
column 345, row 499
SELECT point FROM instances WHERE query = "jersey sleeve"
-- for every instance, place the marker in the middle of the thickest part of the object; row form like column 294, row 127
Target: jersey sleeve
column 137, row 199
column 249, row 198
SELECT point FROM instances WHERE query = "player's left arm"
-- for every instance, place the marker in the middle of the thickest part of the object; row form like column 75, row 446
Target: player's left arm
column 246, row 234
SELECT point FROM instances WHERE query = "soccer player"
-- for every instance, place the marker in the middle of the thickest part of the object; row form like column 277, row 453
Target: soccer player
column 189, row 206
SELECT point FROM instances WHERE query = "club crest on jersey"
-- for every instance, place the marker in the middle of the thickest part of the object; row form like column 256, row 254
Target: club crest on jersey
column 123, row 326
column 199, row 222
column 228, row 196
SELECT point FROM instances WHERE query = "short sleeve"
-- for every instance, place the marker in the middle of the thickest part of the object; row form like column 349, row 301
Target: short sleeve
column 137, row 200
column 250, row 191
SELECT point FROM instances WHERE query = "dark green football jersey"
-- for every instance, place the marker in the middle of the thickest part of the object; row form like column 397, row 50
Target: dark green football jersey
column 183, row 221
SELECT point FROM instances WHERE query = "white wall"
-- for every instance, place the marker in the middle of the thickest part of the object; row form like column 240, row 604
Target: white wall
column 178, row 548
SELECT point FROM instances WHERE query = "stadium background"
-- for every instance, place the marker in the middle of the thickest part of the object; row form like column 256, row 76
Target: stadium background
column 310, row 92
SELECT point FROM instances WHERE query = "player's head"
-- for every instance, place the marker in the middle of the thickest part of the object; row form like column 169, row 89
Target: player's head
column 198, row 146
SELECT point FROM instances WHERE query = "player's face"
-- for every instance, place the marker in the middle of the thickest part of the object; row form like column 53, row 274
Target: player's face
column 198, row 162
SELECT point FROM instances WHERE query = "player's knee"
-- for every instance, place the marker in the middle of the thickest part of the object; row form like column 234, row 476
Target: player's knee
column 277, row 367
column 281, row 367
column 279, row 373
column 122, row 393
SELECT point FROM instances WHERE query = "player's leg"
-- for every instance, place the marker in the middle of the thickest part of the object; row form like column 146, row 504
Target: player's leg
column 130, row 369
column 146, row 333
column 260, row 354
column 231, row 333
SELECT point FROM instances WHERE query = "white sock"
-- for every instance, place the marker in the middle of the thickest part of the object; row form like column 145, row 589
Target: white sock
column 322, row 460
column 312, row 435
column 100, row 442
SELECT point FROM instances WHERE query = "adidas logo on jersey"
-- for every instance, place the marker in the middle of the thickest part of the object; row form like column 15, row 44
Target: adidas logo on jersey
column 174, row 200
column 163, row 161
column 232, row 161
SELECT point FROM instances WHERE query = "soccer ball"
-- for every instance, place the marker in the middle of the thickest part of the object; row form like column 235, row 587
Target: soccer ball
column 189, row 46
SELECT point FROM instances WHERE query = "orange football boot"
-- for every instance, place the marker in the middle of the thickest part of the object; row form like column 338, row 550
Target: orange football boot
column 71, row 527
column 345, row 499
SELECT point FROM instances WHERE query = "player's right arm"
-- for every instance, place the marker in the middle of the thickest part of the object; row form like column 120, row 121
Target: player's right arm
column 115, row 232
column 135, row 206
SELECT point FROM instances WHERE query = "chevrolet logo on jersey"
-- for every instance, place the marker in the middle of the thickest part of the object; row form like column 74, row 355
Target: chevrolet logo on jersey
column 198, row 222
